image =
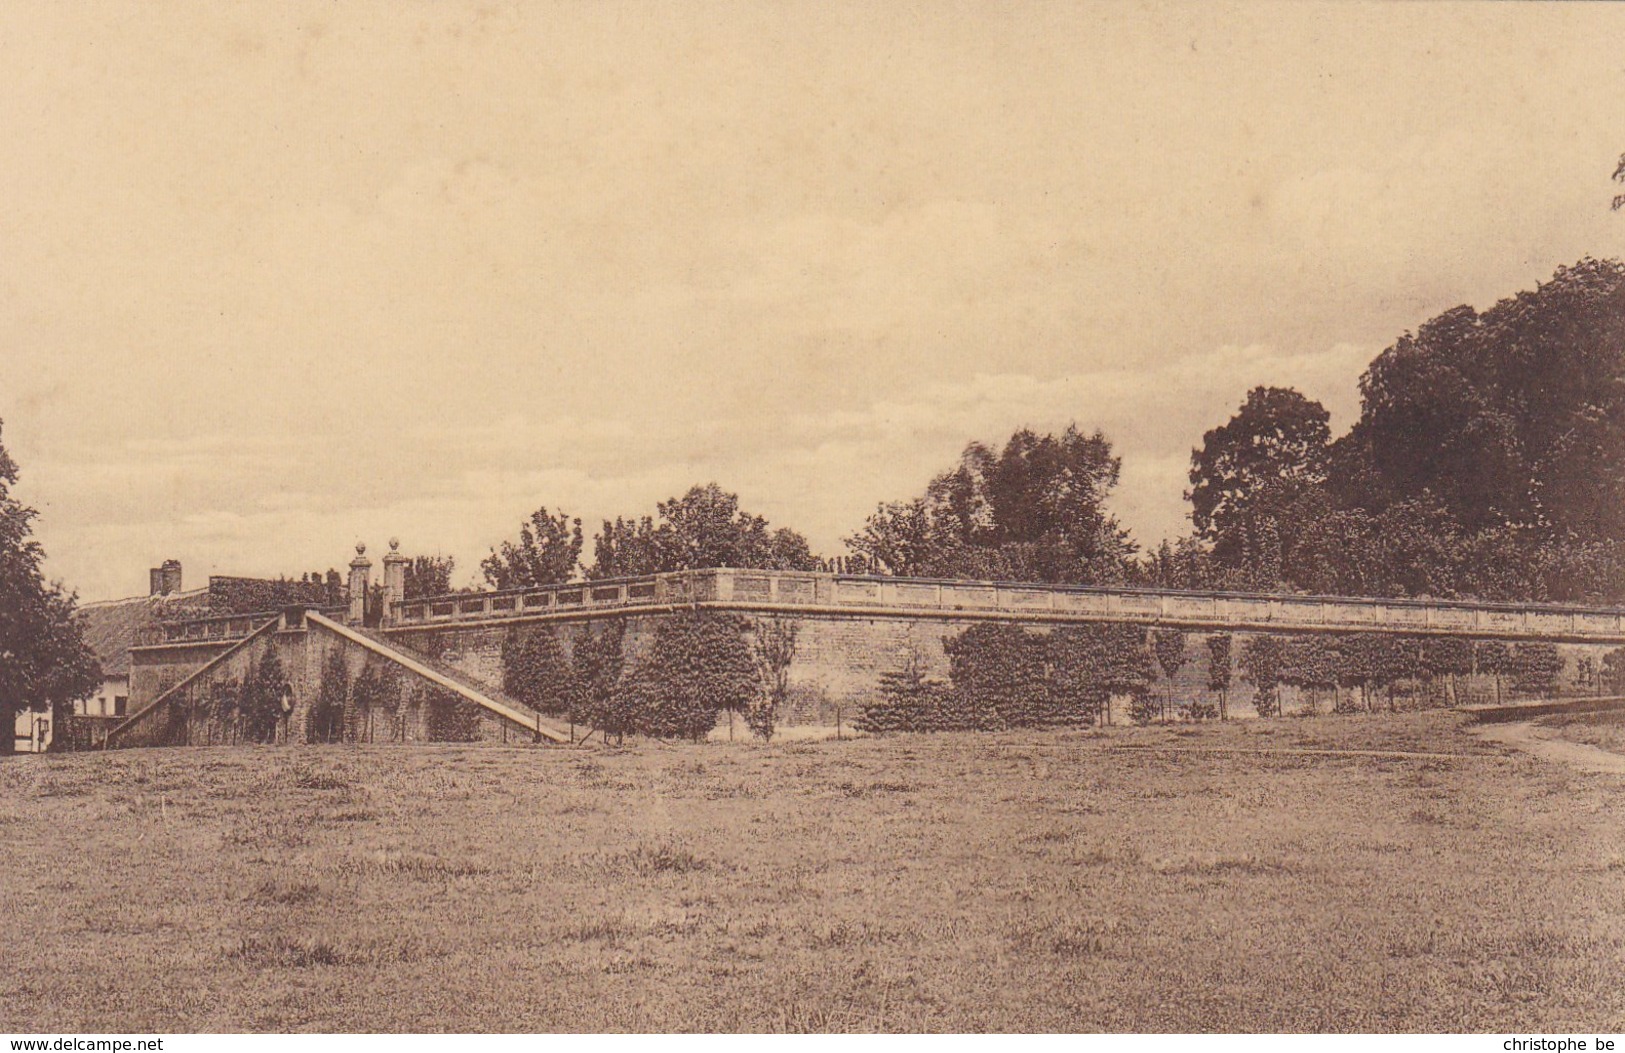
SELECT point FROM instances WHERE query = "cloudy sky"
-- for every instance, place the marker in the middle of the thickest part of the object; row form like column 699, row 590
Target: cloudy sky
column 278, row 277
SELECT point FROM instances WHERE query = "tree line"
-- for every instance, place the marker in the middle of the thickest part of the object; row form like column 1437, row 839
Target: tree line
column 1006, row 676
column 702, row 664
column 699, row 665
column 1488, row 462
column 376, row 705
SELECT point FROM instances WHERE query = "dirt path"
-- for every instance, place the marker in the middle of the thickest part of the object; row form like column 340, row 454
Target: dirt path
column 1531, row 738
column 1294, row 751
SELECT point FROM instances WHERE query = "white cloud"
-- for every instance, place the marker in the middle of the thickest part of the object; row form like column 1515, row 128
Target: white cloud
column 276, row 277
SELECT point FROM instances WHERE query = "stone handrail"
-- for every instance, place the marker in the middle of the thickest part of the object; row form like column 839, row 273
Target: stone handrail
column 210, row 628
column 815, row 593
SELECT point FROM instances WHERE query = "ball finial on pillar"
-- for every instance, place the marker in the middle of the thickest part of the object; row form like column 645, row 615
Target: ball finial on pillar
column 360, row 577
column 394, row 581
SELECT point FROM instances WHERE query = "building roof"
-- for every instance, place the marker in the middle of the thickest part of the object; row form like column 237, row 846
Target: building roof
column 111, row 627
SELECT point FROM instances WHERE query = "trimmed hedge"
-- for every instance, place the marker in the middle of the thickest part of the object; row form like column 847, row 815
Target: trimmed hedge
column 536, row 671
column 700, row 664
column 1005, row 676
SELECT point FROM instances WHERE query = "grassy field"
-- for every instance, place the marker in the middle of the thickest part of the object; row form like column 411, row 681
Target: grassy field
column 1603, row 730
column 1069, row 882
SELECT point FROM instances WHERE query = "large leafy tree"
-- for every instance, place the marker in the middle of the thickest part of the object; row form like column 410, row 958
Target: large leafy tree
column 699, row 663
column 548, row 552
column 429, row 576
column 703, row 528
column 1515, row 416
column 44, row 661
column 1488, row 461
column 1250, row 470
column 537, row 672
column 1035, row 511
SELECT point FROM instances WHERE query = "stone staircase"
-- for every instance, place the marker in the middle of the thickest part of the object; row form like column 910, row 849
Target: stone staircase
column 515, row 713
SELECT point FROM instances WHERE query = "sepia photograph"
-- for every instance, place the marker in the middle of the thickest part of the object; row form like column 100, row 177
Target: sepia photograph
column 759, row 517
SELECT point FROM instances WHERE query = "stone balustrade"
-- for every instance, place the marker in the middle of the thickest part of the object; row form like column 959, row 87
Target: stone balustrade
column 214, row 628
column 832, row 594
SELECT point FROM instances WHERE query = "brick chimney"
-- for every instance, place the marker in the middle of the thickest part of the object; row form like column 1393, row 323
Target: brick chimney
column 165, row 578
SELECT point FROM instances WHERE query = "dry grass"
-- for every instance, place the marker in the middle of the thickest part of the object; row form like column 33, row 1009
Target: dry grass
column 1605, row 730
column 1009, row 882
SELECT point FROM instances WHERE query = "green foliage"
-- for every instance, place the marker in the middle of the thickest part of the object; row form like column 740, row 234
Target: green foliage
column 1262, row 660
column 703, row 528
column 1250, row 469
column 363, row 692
column 1179, row 564
column 548, row 552
column 1376, row 662
column 1034, row 511
column 1079, row 687
column 1444, row 659
column 1004, row 676
column 325, row 721
column 598, row 660
column 1586, row 673
column 1169, row 647
column 1613, row 671
column 222, row 698
column 1493, row 657
column 1220, row 669
column 1535, row 668
column 449, row 717
column 1310, row 663
column 231, row 595
column 1446, row 656
column 1090, row 663
column 429, row 576
column 1485, row 462
column 906, row 701
column 536, row 671
column 378, row 692
column 999, row 677
column 44, row 660
column 1128, row 668
column 774, row 650
column 260, row 702
column 699, row 664
column 1514, row 414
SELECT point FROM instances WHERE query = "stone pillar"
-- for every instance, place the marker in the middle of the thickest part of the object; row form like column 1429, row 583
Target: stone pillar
column 394, row 581
column 360, row 579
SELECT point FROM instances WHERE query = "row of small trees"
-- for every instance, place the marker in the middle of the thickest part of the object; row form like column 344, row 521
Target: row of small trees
column 377, row 704
column 699, row 665
column 249, row 709
column 1362, row 670
column 1005, row 676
